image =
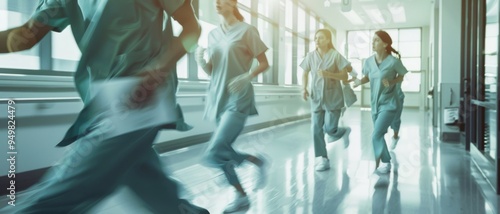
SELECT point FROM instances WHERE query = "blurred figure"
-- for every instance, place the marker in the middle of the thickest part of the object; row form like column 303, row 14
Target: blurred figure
column 231, row 50
column 327, row 68
column 384, row 72
column 124, row 78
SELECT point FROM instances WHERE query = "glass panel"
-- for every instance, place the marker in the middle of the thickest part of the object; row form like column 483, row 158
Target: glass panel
column 359, row 44
column 182, row 64
column 312, row 26
column 266, row 34
column 28, row 59
column 65, row 52
column 411, row 82
column 408, row 35
column 301, row 18
column 412, row 64
column 289, row 13
column 203, row 42
column 409, row 49
column 301, row 53
column 247, row 3
column 265, row 7
column 288, row 57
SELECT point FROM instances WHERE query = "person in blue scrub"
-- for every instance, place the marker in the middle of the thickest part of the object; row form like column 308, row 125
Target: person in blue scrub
column 327, row 68
column 118, row 49
column 396, row 123
column 232, row 47
column 384, row 72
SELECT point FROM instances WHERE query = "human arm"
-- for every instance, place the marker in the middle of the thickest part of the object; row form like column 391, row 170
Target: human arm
column 239, row 82
column 305, row 81
column 23, row 37
column 156, row 73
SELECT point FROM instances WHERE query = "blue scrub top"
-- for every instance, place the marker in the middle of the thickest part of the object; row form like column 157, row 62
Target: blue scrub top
column 131, row 37
column 384, row 98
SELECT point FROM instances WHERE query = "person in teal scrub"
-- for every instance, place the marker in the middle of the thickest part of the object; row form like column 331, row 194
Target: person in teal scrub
column 118, row 49
column 327, row 68
column 232, row 47
column 384, row 72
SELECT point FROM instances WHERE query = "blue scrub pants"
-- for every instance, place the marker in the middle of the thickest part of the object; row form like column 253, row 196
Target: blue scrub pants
column 325, row 122
column 396, row 123
column 220, row 153
column 95, row 167
column 381, row 122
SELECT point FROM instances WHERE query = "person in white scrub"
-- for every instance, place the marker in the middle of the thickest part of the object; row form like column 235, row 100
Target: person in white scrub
column 384, row 72
column 396, row 123
column 116, row 46
column 327, row 68
column 232, row 47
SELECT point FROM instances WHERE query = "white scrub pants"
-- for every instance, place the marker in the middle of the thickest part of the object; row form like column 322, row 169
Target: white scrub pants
column 95, row 167
column 220, row 153
column 325, row 122
column 381, row 123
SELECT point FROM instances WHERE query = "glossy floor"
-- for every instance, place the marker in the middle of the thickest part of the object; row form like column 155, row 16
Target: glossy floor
column 427, row 176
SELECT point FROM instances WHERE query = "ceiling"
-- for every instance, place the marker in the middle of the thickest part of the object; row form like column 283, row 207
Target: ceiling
column 373, row 14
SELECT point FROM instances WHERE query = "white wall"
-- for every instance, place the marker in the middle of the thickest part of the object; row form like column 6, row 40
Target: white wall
column 449, row 58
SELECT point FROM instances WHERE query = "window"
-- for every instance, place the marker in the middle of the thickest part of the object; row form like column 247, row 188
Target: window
column 65, row 52
column 301, row 21
column 266, row 34
column 264, row 8
column 289, row 13
column 312, row 26
column 182, row 64
column 247, row 3
column 289, row 57
column 301, row 53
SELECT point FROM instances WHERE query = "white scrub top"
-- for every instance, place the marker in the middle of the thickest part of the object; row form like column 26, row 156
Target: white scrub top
column 130, row 37
column 384, row 98
column 325, row 93
column 231, row 53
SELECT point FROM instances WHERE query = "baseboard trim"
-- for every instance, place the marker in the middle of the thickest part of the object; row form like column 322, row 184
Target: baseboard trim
column 451, row 137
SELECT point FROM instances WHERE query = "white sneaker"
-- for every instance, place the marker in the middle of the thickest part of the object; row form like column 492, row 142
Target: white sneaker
column 346, row 137
column 384, row 168
column 394, row 143
column 240, row 202
column 322, row 164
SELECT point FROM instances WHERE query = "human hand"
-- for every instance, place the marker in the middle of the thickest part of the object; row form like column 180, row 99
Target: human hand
column 238, row 83
column 199, row 56
column 305, row 94
column 357, row 83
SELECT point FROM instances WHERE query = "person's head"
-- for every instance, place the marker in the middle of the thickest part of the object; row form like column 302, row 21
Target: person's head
column 228, row 7
column 323, row 39
column 382, row 42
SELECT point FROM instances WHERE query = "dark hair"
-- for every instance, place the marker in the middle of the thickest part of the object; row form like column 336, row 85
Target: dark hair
column 328, row 34
column 237, row 13
column 384, row 36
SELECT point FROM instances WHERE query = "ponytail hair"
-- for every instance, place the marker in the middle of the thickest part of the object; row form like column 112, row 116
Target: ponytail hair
column 328, row 35
column 384, row 36
column 236, row 12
